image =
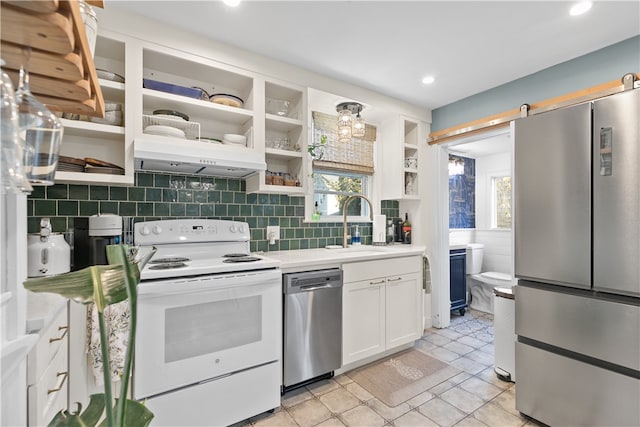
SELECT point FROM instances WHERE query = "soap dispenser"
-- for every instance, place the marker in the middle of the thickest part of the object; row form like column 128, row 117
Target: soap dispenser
column 355, row 239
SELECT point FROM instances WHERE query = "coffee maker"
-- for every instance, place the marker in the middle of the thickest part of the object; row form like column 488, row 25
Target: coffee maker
column 91, row 236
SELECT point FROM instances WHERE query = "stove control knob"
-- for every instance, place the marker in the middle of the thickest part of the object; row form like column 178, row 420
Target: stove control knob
column 232, row 228
column 145, row 231
column 157, row 229
column 241, row 229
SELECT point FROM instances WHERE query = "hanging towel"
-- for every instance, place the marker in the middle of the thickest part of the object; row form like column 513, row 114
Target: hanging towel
column 116, row 317
column 426, row 275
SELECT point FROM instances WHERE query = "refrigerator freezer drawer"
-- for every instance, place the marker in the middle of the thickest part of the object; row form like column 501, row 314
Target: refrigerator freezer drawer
column 565, row 392
column 601, row 329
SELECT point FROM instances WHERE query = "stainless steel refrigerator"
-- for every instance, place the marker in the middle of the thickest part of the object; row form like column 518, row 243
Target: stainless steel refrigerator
column 577, row 258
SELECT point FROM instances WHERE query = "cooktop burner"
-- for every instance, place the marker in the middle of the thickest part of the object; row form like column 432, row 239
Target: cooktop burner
column 238, row 255
column 169, row 260
column 167, row 266
column 244, row 258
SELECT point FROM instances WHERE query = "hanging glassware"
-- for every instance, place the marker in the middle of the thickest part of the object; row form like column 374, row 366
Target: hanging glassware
column 13, row 179
column 40, row 130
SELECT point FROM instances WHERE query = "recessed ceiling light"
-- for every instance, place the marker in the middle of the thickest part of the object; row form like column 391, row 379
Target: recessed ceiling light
column 232, row 3
column 580, row 8
column 428, row 80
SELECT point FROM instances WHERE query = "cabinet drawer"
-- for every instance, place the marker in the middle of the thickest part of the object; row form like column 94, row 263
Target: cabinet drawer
column 52, row 339
column 49, row 395
column 561, row 391
column 368, row 270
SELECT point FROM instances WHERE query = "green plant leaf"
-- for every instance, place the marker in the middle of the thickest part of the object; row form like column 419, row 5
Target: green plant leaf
column 88, row 418
column 100, row 284
column 81, row 285
column 136, row 415
column 94, row 410
column 118, row 255
column 103, row 285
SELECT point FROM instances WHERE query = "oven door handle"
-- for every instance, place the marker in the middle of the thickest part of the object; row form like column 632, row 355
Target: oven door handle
column 216, row 283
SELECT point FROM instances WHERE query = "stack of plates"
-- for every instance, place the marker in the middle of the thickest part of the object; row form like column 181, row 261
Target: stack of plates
column 171, row 115
column 100, row 166
column 100, row 169
column 70, row 164
column 212, row 140
column 235, row 139
column 109, row 75
column 165, row 131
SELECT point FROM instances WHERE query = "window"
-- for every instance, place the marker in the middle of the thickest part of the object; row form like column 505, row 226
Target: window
column 339, row 170
column 501, row 202
column 462, row 192
column 332, row 188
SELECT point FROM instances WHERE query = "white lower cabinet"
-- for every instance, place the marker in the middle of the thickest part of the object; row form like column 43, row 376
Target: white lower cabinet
column 403, row 309
column 382, row 306
column 363, row 319
column 47, row 373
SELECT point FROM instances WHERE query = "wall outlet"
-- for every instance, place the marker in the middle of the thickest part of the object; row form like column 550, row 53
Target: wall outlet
column 273, row 233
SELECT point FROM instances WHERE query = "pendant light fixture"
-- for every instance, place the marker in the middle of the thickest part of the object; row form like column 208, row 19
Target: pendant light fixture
column 348, row 125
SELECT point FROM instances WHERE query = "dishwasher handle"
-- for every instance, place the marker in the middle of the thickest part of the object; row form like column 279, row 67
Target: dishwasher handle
column 308, row 281
column 308, row 288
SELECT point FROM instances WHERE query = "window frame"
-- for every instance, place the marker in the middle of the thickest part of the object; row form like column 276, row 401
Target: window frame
column 367, row 184
column 494, row 200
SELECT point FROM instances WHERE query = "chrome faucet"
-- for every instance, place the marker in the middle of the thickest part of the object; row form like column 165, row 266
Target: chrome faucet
column 344, row 211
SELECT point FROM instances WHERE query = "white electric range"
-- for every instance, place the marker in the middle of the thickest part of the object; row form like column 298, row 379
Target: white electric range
column 209, row 340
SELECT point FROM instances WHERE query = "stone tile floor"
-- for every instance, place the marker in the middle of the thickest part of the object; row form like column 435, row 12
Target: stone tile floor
column 474, row 397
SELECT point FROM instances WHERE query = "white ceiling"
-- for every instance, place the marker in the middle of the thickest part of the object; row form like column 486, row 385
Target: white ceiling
column 493, row 144
column 389, row 46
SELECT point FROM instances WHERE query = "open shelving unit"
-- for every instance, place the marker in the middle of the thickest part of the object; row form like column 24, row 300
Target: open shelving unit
column 290, row 126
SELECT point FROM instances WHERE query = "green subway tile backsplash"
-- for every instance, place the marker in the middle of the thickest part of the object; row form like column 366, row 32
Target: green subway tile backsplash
column 168, row 196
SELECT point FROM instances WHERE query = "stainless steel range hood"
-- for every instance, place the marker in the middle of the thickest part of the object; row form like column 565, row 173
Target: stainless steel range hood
column 160, row 154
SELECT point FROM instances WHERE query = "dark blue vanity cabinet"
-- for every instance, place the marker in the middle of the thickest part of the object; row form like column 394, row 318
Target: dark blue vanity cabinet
column 458, row 279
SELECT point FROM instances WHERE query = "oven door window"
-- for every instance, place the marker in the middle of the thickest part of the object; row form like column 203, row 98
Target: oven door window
column 210, row 327
column 196, row 329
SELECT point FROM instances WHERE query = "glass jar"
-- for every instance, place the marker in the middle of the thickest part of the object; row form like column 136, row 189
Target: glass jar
column 90, row 20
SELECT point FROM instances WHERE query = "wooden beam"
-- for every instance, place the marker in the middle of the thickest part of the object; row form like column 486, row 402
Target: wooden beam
column 96, row 3
column 502, row 119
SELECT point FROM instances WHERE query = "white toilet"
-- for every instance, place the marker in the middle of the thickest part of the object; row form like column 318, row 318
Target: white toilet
column 480, row 285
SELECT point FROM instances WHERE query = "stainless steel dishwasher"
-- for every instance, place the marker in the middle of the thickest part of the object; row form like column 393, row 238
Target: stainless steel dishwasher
column 312, row 326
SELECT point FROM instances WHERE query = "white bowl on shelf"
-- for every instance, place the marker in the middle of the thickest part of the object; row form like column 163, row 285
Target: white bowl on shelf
column 233, row 138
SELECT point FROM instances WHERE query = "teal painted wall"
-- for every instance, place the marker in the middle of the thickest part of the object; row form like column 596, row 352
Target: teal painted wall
column 169, row 196
column 598, row 67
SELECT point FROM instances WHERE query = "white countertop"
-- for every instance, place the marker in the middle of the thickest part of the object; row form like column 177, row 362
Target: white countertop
column 302, row 259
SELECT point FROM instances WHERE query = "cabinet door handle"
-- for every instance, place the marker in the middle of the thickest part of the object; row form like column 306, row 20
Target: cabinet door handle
column 396, row 279
column 64, row 330
column 64, row 376
column 377, row 283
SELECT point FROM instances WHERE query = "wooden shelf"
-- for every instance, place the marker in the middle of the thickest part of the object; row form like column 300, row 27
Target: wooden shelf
column 63, row 75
